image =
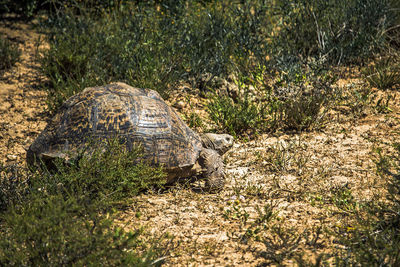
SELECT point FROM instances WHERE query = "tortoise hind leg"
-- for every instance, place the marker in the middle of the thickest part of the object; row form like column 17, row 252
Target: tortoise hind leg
column 213, row 169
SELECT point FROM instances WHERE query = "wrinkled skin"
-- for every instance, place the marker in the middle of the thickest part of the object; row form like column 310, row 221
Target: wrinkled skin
column 210, row 159
column 218, row 142
column 213, row 169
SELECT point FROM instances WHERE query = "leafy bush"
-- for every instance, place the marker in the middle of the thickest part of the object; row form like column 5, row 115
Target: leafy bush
column 302, row 111
column 108, row 174
column 9, row 54
column 337, row 30
column 154, row 46
column 297, row 100
column 27, row 9
column 53, row 230
column 65, row 217
column 305, row 94
column 122, row 46
column 14, row 186
column 24, row 8
column 246, row 115
column 393, row 33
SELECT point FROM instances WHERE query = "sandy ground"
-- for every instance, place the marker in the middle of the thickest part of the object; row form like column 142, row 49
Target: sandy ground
column 22, row 103
column 305, row 179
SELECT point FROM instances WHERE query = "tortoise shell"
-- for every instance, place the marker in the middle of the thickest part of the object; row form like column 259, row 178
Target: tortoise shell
column 133, row 114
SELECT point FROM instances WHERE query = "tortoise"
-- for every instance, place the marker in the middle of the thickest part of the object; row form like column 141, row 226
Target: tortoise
column 138, row 116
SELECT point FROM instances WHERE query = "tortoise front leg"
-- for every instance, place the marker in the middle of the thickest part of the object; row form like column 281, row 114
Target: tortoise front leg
column 213, row 169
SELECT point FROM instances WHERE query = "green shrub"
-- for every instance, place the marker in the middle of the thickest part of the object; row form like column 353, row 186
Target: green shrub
column 52, row 230
column 393, row 33
column 9, row 54
column 159, row 46
column 64, row 217
column 384, row 74
column 86, row 51
column 24, row 8
column 28, row 9
column 104, row 174
column 336, row 30
column 303, row 111
column 297, row 100
column 14, row 186
column 250, row 109
column 305, row 94
column 223, row 37
column 237, row 118
column 154, row 46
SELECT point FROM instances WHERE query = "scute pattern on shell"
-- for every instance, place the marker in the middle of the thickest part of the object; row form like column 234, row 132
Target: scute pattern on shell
column 132, row 114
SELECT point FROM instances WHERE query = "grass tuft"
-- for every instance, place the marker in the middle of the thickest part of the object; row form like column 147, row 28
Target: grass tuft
column 9, row 54
column 384, row 74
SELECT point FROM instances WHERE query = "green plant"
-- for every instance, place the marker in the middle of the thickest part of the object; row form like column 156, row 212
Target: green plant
column 281, row 245
column 251, row 228
column 374, row 238
column 343, row 199
column 151, row 45
column 9, row 54
column 393, row 33
column 382, row 104
column 240, row 117
column 14, row 186
column 65, row 216
column 193, row 120
column 305, row 93
column 236, row 212
column 303, row 111
column 335, row 30
column 50, row 229
column 105, row 172
column 389, row 167
column 255, row 230
column 87, row 50
column 298, row 100
column 384, row 74
column 25, row 8
column 357, row 97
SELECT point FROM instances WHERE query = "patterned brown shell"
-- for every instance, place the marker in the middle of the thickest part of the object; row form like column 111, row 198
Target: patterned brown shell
column 136, row 115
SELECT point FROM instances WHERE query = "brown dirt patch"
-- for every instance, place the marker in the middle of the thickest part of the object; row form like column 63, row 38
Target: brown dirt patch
column 22, row 104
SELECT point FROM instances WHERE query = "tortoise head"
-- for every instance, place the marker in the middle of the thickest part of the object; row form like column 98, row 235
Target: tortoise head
column 219, row 142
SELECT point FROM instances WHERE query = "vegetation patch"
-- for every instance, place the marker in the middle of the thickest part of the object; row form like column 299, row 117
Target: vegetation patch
column 106, row 174
column 335, row 30
column 150, row 45
column 66, row 217
column 9, row 54
column 297, row 100
column 374, row 238
column 309, row 88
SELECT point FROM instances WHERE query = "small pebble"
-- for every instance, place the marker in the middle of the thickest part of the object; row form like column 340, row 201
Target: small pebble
column 179, row 105
column 11, row 157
